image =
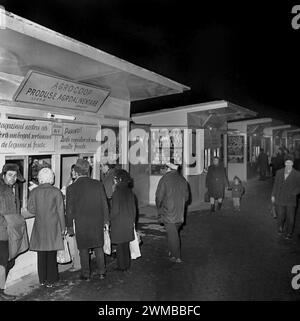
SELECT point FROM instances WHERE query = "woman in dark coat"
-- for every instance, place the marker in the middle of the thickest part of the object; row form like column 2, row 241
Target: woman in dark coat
column 122, row 217
column 46, row 203
column 216, row 182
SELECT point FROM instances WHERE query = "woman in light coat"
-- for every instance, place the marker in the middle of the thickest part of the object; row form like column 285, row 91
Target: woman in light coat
column 46, row 203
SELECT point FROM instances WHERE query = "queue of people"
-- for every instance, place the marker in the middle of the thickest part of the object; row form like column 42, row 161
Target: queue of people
column 86, row 207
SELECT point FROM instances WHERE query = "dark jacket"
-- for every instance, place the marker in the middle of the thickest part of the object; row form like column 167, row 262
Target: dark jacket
column 237, row 190
column 171, row 196
column 86, row 204
column 262, row 161
column 47, row 204
column 9, row 204
column 108, row 182
column 216, row 181
column 285, row 191
column 123, row 214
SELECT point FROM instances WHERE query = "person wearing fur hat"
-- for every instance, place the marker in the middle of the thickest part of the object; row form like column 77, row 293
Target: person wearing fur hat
column 171, row 196
column 286, row 187
column 9, row 204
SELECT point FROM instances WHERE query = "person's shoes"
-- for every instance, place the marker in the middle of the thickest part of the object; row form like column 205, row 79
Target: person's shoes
column 84, row 278
column 175, row 260
column 280, row 231
column 7, row 297
column 288, row 237
column 100, row 276
column 212, row 208
column 49, row 285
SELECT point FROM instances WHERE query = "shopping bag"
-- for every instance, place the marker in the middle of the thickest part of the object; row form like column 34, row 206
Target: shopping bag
column 64, row 256
column 273, row 211
column 107, row 245
column 135, row 247
column 206, row 197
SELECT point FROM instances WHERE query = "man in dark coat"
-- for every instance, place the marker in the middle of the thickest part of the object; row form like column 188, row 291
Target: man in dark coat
column 284, row 195
column 262, row 164
column 9, row 204
column 216, row 182
column 86, row 204
column 171, row 196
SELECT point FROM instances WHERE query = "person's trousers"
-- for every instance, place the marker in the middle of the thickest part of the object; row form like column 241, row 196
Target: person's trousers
column 123, row 256
column 85, row 261
column 236, row 202
column 286, row 216
column 47, row 266
column 172, row 230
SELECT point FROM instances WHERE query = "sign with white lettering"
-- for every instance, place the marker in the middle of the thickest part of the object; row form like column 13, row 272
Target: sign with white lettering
column 78, row 139
column 42, row 89
column 25, row 137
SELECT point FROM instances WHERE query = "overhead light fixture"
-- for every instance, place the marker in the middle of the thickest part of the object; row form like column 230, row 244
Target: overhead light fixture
column 56, row 116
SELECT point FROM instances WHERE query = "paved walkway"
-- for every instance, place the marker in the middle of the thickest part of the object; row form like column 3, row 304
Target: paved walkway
column 227, row 256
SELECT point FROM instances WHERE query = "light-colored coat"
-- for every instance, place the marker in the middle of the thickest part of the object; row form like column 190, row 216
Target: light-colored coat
column 46, row 203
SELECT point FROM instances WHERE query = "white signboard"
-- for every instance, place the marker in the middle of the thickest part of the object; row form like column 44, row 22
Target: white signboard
column 78, row 139
column 42, row 89
column 25, row 137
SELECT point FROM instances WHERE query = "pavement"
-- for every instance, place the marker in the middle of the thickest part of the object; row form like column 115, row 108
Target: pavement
column 227, row 256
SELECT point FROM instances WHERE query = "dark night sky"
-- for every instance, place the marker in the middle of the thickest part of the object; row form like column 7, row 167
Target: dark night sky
column 244, row 52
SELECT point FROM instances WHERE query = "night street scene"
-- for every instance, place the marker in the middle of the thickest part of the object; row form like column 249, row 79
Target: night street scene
column 149, row 157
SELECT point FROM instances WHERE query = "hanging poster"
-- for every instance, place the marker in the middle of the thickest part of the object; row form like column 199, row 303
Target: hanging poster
column 78, row 139
column 25, row 137
column 235, row 148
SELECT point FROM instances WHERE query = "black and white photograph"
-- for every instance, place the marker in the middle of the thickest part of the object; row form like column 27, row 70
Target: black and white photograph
column 149, row 155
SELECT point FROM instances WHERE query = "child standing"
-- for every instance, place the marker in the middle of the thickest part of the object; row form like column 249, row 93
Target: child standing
column 237, row 192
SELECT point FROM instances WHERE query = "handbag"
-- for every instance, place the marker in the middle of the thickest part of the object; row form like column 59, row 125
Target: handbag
column 64, row 256
column 107, row 244
column 134, row 246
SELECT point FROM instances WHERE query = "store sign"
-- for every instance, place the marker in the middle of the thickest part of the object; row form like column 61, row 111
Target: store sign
column 78, row 139
column 42, row 89
column 23, row 137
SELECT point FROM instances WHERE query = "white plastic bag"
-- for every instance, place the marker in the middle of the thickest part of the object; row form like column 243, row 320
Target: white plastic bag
column 107, row 245
column 64, row 256
column 135, row 247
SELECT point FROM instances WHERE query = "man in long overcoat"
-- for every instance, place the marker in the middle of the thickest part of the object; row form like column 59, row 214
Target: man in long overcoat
column 284, row 194
column 171, row 197
column 262, row 164
column 216, row 182
column 86, row 204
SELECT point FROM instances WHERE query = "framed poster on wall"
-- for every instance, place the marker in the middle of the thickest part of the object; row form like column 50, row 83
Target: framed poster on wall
column 235, row 146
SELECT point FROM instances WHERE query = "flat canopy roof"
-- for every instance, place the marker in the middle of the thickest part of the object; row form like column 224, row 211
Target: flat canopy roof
column 25, row 45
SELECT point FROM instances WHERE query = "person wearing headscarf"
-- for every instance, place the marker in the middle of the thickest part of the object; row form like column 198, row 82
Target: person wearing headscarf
column 284, row 195
column 122, row 217
column 216, row 182
column 47, row 204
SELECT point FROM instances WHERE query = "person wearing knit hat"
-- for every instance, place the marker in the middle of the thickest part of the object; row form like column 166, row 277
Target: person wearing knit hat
column 286, row 187
column 47, row 205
